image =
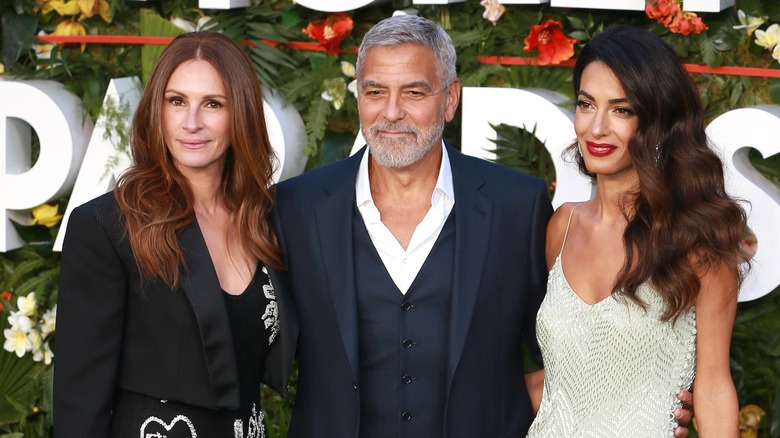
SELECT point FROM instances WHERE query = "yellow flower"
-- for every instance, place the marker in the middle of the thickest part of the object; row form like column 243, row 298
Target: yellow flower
column 750, row 421
column 348, row 69
column 91, row 7
column 768, row 39
column 749, row 23
column 27, row 305
column 16, row 342
column 46, row 214
column 70, row 7
column 2, row 68
column 335, row 91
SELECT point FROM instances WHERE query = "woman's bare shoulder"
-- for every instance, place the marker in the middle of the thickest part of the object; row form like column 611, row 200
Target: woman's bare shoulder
column 556, row 229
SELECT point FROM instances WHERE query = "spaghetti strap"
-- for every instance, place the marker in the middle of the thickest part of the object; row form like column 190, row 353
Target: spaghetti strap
column 566, row 234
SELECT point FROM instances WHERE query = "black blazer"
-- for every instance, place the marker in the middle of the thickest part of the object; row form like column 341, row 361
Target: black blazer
column 114, row 331
column 500, row 278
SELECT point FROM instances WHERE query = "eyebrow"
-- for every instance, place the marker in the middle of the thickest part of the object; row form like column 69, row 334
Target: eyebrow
column 416, row 84
column 208, row 96
column 611, row 101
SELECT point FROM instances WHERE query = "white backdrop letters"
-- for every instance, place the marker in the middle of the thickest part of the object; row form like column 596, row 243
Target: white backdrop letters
column 55, row 116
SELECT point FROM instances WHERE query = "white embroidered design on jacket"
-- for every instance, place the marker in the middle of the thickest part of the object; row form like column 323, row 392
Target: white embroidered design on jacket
column 167, row 426
column 255, row 427
column 271, row 315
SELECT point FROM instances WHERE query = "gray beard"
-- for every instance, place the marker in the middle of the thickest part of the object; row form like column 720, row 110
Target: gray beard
column 400, row 153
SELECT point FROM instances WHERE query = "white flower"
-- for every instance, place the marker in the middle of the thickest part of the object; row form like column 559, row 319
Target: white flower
column 204, row 23
column 43, row 51
column 35, row 340
column 27, row 305
column 768, row 39
column 48, row 321
column 335, row 89
column 16, row 342
column 749, row 23
column 352, row 87
column 493, row 10
column 20, row 322
column 776, row 53
column 348, row 69
column 44, row 353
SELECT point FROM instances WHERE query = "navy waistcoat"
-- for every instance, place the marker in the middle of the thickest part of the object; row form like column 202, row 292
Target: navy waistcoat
column 403, row 340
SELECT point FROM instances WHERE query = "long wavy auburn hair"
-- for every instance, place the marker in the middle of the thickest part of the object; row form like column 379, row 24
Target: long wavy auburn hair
column 681, row 221
column 156, row 200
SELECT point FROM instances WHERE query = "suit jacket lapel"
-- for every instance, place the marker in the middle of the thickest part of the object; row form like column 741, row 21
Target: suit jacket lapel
column 334, row 224
column 201, row 285
column 473, row 219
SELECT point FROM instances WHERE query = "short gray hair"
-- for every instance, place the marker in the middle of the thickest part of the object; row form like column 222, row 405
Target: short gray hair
column 412, row 29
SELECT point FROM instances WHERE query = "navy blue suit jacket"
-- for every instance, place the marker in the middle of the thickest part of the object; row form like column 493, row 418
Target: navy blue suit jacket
column 500, row 279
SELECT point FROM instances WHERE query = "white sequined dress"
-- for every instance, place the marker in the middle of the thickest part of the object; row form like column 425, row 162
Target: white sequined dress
column 612, row 369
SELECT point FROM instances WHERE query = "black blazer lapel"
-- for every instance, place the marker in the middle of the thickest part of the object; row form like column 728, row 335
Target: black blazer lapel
column 201, row 285
column 334, row 224
column 473, row 219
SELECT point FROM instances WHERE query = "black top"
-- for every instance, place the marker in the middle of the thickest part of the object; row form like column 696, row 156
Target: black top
column 254, row 324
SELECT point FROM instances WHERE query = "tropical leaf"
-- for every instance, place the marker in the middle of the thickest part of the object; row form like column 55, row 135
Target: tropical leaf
column 316, row 120
column 20, row 386
column 154, row 25
column 519, row 149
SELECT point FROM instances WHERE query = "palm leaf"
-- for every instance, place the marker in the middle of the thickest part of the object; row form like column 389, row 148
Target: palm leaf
column 519, row 149
column 20, row 380
column 154, row 25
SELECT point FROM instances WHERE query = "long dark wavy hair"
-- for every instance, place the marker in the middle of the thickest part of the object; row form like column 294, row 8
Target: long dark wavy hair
column 156, row 200
column 680, row 219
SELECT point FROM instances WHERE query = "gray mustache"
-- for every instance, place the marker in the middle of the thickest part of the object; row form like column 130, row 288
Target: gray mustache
column 385, row 126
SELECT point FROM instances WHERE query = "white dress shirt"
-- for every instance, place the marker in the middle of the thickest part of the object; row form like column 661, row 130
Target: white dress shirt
column 404, row 265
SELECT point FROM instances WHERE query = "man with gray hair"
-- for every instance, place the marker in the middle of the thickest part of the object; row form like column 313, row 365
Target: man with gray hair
column 414, row 272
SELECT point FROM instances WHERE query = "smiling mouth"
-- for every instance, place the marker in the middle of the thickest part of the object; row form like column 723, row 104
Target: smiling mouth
column 192, row 144
column 600, row 150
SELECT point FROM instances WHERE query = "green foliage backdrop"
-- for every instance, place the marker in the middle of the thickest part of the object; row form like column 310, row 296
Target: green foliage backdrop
column 302, row 77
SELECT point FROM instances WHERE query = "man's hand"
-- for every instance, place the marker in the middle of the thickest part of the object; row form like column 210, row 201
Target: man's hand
column 684, row 414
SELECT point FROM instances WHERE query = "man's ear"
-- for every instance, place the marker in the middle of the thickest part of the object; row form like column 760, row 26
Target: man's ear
column 453, row 98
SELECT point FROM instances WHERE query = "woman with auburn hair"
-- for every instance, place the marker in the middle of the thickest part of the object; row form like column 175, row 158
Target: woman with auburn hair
column 167, row 318
column 643, row 281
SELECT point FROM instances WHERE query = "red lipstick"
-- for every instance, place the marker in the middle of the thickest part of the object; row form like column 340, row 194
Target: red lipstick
column 600, row 149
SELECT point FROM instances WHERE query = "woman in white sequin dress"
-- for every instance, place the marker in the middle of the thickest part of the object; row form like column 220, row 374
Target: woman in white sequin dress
column 168, row 318
column 643, row 277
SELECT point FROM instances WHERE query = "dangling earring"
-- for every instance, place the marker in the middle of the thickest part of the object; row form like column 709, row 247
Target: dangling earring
column 658, row 154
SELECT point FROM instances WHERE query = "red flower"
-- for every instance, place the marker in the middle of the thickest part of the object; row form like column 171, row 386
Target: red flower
column 331, row 31
column 668, row 13
column 551, row 43
column 5, row 296
column 663, row 11
column 687, row 23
